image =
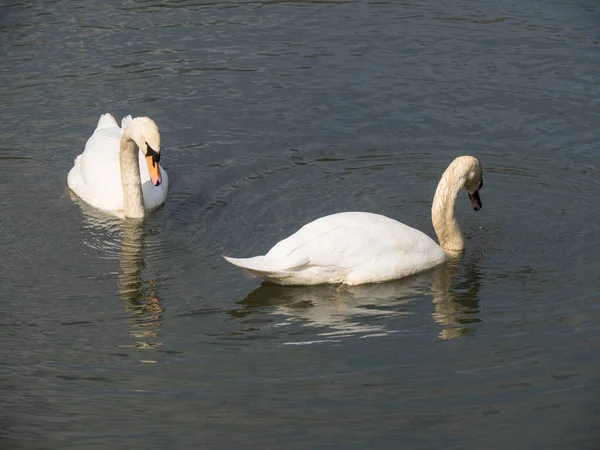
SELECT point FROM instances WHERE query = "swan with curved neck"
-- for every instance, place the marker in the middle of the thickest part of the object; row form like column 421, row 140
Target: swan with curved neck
column 119, row 169
column 356, row 247
column 464, row 171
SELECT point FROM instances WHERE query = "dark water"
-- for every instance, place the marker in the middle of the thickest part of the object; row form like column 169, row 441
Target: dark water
column 273, row 114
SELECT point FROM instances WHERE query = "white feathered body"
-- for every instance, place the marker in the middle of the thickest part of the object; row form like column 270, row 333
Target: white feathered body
column 96, row 175
column 351, row 248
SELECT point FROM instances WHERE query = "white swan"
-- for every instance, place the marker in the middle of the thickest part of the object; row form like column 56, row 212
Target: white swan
column 357, row 247
column 110, row 174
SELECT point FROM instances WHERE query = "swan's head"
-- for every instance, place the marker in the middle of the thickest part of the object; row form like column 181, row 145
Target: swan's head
column 144, row 132
column 473, row 179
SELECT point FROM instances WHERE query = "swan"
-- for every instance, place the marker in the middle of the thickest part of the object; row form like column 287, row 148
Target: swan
column 353, row 248
column 110, row 175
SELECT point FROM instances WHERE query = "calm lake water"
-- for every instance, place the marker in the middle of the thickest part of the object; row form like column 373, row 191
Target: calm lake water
column 272, row 114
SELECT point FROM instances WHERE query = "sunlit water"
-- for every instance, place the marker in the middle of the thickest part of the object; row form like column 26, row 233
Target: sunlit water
column 273, row 114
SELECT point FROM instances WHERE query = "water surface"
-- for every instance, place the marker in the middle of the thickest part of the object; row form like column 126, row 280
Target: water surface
column 273, row 114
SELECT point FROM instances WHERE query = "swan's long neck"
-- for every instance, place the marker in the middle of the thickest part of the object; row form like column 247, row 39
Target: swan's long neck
column 442, row 211
column 133, row 200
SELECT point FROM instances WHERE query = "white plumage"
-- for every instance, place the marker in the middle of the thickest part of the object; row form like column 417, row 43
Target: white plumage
column 96, row 174
column 350, row 248
column 359, row 247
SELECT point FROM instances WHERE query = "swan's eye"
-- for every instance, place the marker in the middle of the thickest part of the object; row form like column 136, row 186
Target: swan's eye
column 151, row 152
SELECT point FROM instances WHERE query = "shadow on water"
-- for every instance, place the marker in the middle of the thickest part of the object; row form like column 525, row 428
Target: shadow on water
column 346, row 311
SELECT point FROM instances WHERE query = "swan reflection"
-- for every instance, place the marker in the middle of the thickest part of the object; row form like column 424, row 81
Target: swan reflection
column 143, row 303
column 141, row 297
column 456, row 299
column 364, row 309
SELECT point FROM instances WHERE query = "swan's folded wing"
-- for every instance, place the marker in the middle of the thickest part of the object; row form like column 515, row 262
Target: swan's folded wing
column 263, row 264
column 106, row 121
column 125, row 121
column 350, row 240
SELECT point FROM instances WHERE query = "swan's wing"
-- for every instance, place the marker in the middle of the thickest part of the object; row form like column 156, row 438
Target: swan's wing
column 352, row 248
column 125, row 121
column 350, row 240
column 106, row 121
column 96, row 175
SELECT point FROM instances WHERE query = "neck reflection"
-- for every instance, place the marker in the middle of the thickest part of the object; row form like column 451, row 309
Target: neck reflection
column 143, row 303
column 456, row 298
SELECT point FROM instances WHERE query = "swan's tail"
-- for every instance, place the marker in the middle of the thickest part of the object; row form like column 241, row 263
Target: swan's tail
column 125, row 121
column 269, row 269
column 106, row 121
column 265, row 268
column 257, row 263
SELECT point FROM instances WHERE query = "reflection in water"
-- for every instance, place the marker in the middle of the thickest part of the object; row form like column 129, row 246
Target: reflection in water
column 456, row 304
column 145, row 306
column 347, row 311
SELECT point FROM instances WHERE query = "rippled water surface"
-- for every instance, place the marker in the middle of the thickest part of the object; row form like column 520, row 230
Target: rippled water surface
column 272, row 114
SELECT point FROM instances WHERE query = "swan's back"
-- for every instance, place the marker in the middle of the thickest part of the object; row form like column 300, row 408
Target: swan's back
column 350, row 248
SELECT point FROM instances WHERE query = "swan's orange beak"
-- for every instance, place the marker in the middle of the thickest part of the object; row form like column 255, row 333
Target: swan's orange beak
column 154, row 171
column 475, row 200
